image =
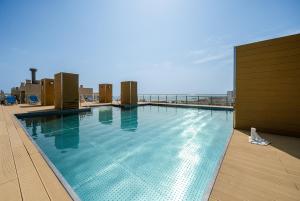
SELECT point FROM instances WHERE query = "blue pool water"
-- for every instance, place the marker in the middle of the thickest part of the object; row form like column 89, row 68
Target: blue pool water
column 144, row 153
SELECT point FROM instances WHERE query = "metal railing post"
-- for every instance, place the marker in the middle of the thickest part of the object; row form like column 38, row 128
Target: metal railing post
column 176, row 99
column 198, row 100
column 185, row 99
column 211, row 100
column 158, row 99
column 143, row 98
column 226, row 100
column 150, row 98
column 166, row 99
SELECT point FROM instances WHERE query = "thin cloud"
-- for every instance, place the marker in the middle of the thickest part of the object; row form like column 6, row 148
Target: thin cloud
column 209, row 59
column 196, row 52
column 219, row 53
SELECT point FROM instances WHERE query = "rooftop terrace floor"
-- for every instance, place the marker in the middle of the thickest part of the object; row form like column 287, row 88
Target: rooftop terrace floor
column 248, row 172
column 24, row 174
column 254, row 172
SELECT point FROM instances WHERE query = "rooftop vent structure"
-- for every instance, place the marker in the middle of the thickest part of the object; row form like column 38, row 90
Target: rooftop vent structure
column 33, row 74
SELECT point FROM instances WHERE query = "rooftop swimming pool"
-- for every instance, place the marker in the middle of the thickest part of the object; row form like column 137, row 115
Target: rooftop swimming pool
column 144, row 153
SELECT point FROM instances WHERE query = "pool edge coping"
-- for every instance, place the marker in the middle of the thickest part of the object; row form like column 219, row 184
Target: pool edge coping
column 50, row 112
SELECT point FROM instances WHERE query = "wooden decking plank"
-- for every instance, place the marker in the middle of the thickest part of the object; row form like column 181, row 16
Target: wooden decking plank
column 254, row 166
column 10, row 191
column 211, row 198
column 1, row 114
column 290, row 163
column 54, row 188
column 267, row 185
column 30, row 183
column 3, row 130
column 225, row 193
column 7, row 166
column 252, row 172
column 253, row 188
column 31, row 187
column 31, row 149
column 15, row 140
column 280, row 179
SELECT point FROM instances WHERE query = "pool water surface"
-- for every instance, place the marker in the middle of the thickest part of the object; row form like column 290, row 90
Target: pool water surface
column 143, row 153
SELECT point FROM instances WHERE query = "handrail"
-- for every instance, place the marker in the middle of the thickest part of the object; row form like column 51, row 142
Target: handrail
column 184, row 94
column 199, row 99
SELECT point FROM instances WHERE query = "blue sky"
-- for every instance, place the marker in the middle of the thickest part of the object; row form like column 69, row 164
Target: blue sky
column 168, row 46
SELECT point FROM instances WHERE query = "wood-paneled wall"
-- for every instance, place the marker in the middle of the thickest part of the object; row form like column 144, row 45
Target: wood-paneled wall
column 66, row 91
column 129, row 93
column 267, row 84
column 105, row 93
column 47, row 93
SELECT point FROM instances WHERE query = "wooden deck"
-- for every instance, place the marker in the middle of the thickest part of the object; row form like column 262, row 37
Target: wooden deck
column 248, row 172
column 24, row 174
column 260, row 173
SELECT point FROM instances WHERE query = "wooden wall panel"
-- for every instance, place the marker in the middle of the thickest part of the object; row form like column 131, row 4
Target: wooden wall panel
column 129, row 93
column 105, row 93
column 66, row 91
column 47, row 93
column 134, row 95
column 267, row 84
column 57, row 91
column 125, row 91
